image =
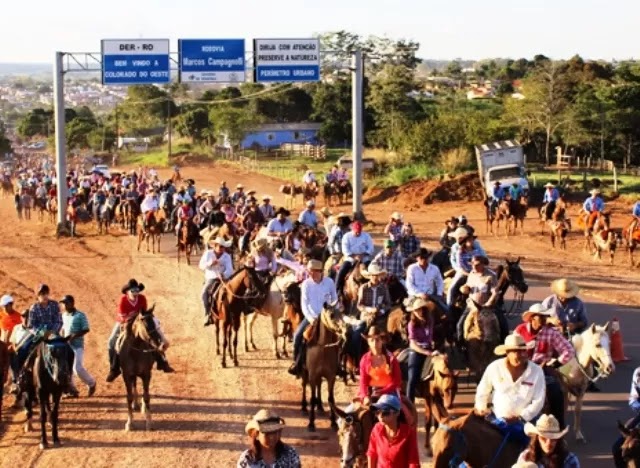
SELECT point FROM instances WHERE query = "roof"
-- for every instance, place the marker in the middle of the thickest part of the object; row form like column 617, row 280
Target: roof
column 296, row 126
column 498, row 145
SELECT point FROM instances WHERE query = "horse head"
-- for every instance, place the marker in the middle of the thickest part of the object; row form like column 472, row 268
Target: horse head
column 144, row 328
column 631, row 444
column 594, row 342
column 515, row 276
column 351, row 436
column 54, row 356
column 332, row 318
column 445, row 380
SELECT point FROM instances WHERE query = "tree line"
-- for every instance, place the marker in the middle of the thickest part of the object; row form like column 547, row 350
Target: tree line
column 589, row 108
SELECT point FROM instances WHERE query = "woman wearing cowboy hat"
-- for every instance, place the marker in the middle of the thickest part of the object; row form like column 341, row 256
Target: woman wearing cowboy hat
column 379, row 369
column 217, row 266
column 266, row 449
column 547, row 448
column 421, row 343
column 131, row 303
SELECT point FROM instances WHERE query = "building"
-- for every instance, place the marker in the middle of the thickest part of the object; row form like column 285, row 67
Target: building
column 269, row 136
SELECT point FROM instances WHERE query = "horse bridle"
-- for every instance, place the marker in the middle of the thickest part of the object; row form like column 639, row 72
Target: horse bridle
column 518, row 295
column 350, row 420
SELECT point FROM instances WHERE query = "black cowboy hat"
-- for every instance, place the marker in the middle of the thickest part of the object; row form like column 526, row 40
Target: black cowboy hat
column 424, row 253
column 132, row 284
column 283, row 211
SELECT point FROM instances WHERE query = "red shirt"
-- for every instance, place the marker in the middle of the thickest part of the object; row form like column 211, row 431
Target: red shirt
column 399, row 452
column 365, row 377
column 127, row 309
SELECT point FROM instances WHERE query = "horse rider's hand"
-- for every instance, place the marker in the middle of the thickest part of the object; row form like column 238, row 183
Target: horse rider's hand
column 551, row 362
column 571, row 327
column 435, row 353
column 366, row 402
column 164, row 346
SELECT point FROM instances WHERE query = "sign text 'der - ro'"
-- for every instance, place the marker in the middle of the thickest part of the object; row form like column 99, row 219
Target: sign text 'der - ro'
column 135, row 61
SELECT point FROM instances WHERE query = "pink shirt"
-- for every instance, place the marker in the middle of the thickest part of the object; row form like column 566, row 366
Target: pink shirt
column 399, row 452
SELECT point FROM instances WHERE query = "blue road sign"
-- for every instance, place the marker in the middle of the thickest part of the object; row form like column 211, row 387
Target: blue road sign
column 135, row 61
column 286, row 60
column 211, row 60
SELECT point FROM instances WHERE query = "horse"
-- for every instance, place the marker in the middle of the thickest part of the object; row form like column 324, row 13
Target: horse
column 592, row 347
column 326, row 336
column 52, row 208
column 310, row 192
column 602, row 222
column 496, row 213
column 345, row 191
column 518, row 209
column 187, row 239
column 127, row 212
column 473, row 440
column 606, row 240
column 102, row 216
column 510, row 275
column 235, row 297
column 41, row 207
column 290, row 192
column 630, row 445
column 49, row 376
column 482, row 333
column 292, row 312
column 273, row 308
column 331, row 193
column 632, row 241
column 151, row 232
column 136, row 349
column 26, row 201
column 7, row 188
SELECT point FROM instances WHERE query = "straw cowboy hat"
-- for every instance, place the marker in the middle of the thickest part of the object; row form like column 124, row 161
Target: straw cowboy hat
column 315, row 265
column 460, row 233
column 396, row 215
column 342, row 214
column 260, row 244
column 565, row 288
column 417, row 304
column 512, row 342
column 251, row 192
column 311, row 204
column 549, row 185
column 374, row 270
column 239, row 186
column 325, row 211
column 536, row 309
column 373, row 332
column 220, row 241
column 132, row 284
column 594, row 191
column 547, row 426
column 264, row 421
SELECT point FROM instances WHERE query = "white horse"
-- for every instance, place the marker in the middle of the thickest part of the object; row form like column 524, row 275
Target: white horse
column 592, row 347
column 274, row 308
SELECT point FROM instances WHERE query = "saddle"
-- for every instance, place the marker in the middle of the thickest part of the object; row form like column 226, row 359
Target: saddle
column 122, row 336
column 310, row 334
column 403, row 360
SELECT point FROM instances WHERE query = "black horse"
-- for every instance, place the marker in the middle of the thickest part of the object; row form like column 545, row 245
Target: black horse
column 46, row 374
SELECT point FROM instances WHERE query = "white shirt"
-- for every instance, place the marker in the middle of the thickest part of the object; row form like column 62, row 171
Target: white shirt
column 356, row 245
column 149, row 204
column 309, row 178
column 276, row 226
column 427, row 281
column 523, row 398
column 221, row 270
column 315, row 295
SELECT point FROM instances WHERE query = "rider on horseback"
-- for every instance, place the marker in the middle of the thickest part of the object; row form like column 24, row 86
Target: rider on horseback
column 149, row 207
column 266, row 208
column 461, row 253
column 446, row 241
column 594, row 205
column 185, row 213
column 391, row 260
column 424, row 279
column 251, row 223
column 308, row 217
column 355, row 244
column 516, row 192
column 217, row 266
column 394, row 227
column 546, row 342
column 279, row 226
column 409, row 242
column 551, row 196
column 498, row 195
column 515, row 387
column 635, row 212
column 315, row 292
column 131, row 304
column 263, row 260
column 238, row 194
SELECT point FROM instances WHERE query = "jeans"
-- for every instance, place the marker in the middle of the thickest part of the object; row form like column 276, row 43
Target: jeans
column 79, row 370
column 460, row 324
column 344, row 270
column 556, row 398
column 616, row 449
column 415, row 364
column 456, row 283
column 206, row 303
column 114, row 337
column 354, row 346
column 514, row 431
column 297, row 338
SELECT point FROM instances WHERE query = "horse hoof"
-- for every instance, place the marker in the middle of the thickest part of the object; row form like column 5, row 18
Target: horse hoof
column 235, row 362
column 304, row 410
column 136, row 407
column 311, row 427
column 320, row 409
column 57, row 444
column 334, row 425
column 224, row 364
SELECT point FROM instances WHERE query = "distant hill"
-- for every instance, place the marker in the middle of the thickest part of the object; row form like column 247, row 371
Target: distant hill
column 26, row 69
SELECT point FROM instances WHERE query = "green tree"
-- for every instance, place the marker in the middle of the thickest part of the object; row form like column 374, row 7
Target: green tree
column 233, row 122
column 194, row 123
column 332, row 108
column 5, row 144
column 37, row 122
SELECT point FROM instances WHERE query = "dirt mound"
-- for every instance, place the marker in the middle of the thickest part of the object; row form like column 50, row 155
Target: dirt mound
column 465, row 187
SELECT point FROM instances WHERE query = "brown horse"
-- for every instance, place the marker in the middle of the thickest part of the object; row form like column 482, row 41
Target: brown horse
column 473, row 440
column 606, row 240
column 630, row 445
column 500, row 213
column 187, row 240
column 632, row 240
column 52, row 208
column 331, row 193
column 151, row 232
column 589, row 223
column 559, row 224
column 482, row 334
column 518, row 210
column 322, row 354
column 310, row 192
column 7, row 188
column 290, row 192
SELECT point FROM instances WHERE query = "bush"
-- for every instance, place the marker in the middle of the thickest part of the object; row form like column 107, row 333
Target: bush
column 401, row 175
column 456, row 160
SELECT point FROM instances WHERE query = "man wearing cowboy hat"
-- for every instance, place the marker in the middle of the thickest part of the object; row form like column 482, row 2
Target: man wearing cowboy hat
column 238, row 194
column 569, row 311
column 497, row 195
column 515, row 191
column 331, row 177
column 45, row 313
column 309, row 177
column 217, row 266
column 394, row 227
column 547, row 348
column 149, row 206
column 446, row 241
column 267, row 208
column 280, row 226
column 252, row 221
column 391, row 260
column 356, row 244
column 373, row 296
column 223, row 192
column 423, row 278
column 551, row 196
column 593, row 205
column 514, row 387
column 315, row 292
column 327, row 220
column 460, row 256
column 308, row 216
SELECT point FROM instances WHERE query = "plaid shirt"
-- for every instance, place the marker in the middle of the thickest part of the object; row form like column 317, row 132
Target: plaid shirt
column 409, row 245
column 393, row 264
column 47, row 316
column 374, row 296
column 546, row 344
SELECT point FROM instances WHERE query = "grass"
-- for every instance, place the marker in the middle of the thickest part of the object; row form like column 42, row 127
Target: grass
column 158, row 156
column 628, row 185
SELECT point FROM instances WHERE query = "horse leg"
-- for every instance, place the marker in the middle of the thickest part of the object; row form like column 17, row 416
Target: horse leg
column 577, row 413
column 251, row 324
column 553, row 239
column 54, row 417
column 217, row 324
column 146, row 401
column 274, row 333
column 44, row 397
column 225, row 343
column 332, row 403
column 319, row 406
column 28, row 407
column 247, row 328
column 234, row 329
column 311, row 427
column 427, row 421
column 303, row 402
column 130, row 386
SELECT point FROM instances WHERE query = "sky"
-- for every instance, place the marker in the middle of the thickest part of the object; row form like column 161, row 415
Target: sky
column 31, row 31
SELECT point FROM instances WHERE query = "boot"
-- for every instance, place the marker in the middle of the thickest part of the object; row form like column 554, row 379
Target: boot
column 163, row 364
column 114, row 361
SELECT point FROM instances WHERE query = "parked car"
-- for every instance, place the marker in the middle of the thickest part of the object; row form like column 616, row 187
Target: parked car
column 103, row 169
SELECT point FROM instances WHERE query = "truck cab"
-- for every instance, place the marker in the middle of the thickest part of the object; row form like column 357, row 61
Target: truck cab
column 501, row 161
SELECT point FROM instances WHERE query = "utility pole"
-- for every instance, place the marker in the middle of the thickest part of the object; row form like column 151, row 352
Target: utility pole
column 61, row 156
column 169, row 128
column 357, row 131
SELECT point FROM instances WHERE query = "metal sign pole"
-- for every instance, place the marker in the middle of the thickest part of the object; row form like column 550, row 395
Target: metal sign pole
column 61, row 156
column 356, row 118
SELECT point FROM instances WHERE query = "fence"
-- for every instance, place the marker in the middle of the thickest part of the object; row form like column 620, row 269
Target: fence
column 305, row 149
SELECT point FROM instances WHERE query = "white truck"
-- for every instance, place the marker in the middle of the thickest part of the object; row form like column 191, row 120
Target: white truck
column 501, row 161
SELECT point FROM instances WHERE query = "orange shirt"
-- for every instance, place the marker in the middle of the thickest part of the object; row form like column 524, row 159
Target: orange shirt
column 8, row 321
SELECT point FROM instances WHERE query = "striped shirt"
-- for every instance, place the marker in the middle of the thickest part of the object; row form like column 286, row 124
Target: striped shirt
column 75, row 322
column 47, row 316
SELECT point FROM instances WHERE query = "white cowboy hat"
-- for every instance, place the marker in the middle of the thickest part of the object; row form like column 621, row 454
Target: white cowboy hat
column 239, row 186
column 220, row 241
column 264, row 421
column 565, row 288
column 266, row 197
column 547, row 426
column 315, row 265
column 459, row 233
column 260, row 244
column 396, row 215
column 525, row 464
column 311, row 203
column 549, row 185
column 536, row 309
column 325, row 211
column 374, row 270
column 250, row 192
column 594, row 191
column 6, row 300
column 512, row 342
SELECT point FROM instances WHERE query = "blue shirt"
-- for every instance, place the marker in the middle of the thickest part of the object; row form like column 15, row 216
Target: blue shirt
column 573, row 311
column 591, row 205
column 334, row 243
column 72, row 323
column 276, row 226
column 498, row 193
column 357, row 245
column 308, row 218
column 47, row 317
column 515, row 192
column 550, row 195
column 462, row 261
column 636, row 209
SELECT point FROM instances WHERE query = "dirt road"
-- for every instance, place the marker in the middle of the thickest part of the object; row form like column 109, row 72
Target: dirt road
column 199, row 413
